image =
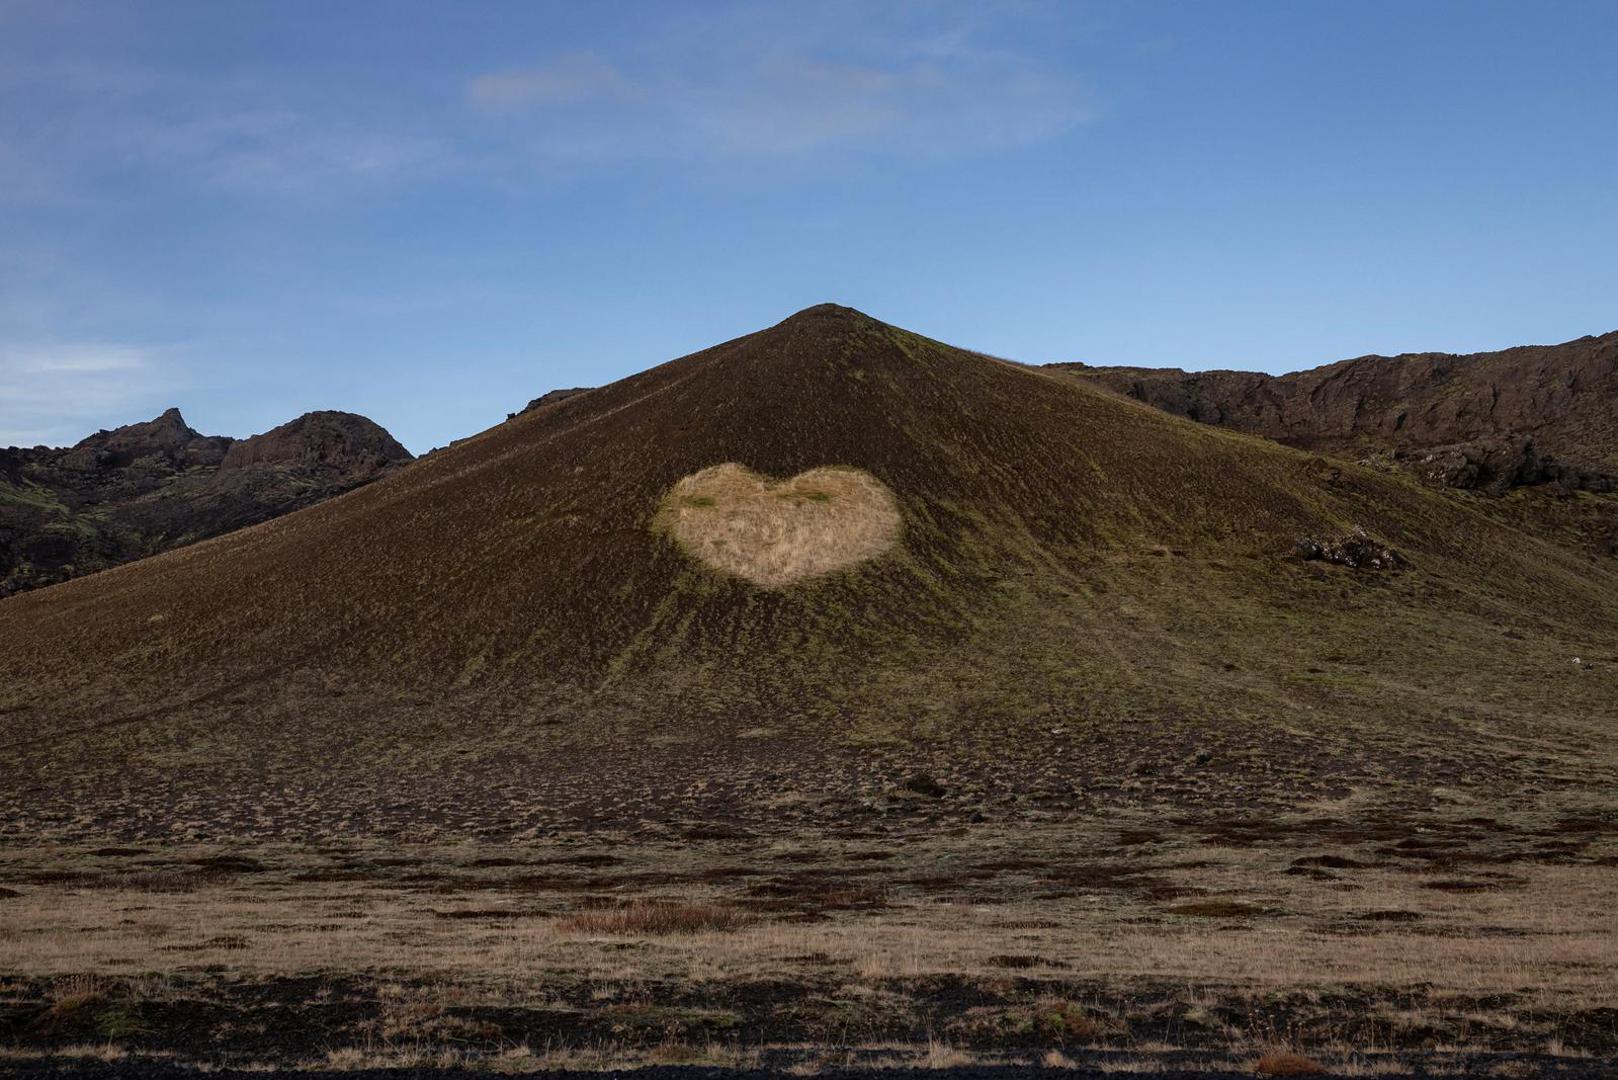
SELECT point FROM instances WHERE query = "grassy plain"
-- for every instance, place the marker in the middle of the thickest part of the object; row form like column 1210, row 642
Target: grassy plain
column 1363, row 941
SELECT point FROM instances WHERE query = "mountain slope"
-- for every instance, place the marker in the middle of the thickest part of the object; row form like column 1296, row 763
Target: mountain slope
column 1085, row 599
column 1503, row 413
column 143, row 488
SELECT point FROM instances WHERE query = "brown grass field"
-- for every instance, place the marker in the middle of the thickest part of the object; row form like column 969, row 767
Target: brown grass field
column 1367, row 943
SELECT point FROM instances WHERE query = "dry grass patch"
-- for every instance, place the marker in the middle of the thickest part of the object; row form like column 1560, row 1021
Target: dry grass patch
column 74, row 994
column 996, row 967
column 774, row 533
column 1287, row 1063
column 655, row 917
column 107, row 1051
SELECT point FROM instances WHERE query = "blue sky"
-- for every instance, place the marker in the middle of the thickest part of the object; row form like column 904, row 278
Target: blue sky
column 432, row 212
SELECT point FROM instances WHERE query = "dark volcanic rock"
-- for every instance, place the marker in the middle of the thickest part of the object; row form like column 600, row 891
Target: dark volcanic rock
column 923, row 784
column 1356, row 550
column 331, row 441
column 1498, row 464
column 1529, row 415
column 166, row 442
column 144, row 488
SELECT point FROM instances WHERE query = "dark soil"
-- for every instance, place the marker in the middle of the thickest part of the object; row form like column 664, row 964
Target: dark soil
column 1172, row 1067
column 295, row 1019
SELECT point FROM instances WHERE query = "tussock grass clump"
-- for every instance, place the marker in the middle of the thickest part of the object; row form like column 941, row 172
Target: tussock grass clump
column 74, row 994
column 774, row 533
column 1287, row 1063
column 657, row 917
column 1048, row 1020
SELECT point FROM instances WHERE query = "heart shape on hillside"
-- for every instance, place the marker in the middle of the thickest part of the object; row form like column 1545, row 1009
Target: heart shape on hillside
column 774, row 533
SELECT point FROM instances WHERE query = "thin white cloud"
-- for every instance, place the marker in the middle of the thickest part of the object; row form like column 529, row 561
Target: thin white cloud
column 565, row 80
column 274, row 149
column 57, row 393
column 743, row 86
column 799, row 106
column 94, row 123
column 725, row 83
column 81, row 358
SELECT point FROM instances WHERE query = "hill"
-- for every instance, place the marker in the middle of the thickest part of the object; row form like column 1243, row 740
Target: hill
column 144, row 488
column 1497, row 420
column 768, row 582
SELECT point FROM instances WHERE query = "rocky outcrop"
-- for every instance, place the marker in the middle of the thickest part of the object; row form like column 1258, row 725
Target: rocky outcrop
column 144, row 488
column 1529, row 415
column 166, row 441
column 336, row 442
column 1497, row 464
column 1355, row 550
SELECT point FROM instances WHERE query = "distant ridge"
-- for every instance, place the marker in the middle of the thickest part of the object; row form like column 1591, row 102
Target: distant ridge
column 1496, row 420
column 147, row 487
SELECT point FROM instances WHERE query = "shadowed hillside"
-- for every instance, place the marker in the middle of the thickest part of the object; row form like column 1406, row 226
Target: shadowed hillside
column 1084, row 601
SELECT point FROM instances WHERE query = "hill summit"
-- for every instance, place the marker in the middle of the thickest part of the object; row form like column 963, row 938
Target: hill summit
column 832, row 551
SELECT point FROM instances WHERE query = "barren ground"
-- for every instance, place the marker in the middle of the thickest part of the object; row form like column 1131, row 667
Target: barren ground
column 1371, row 942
